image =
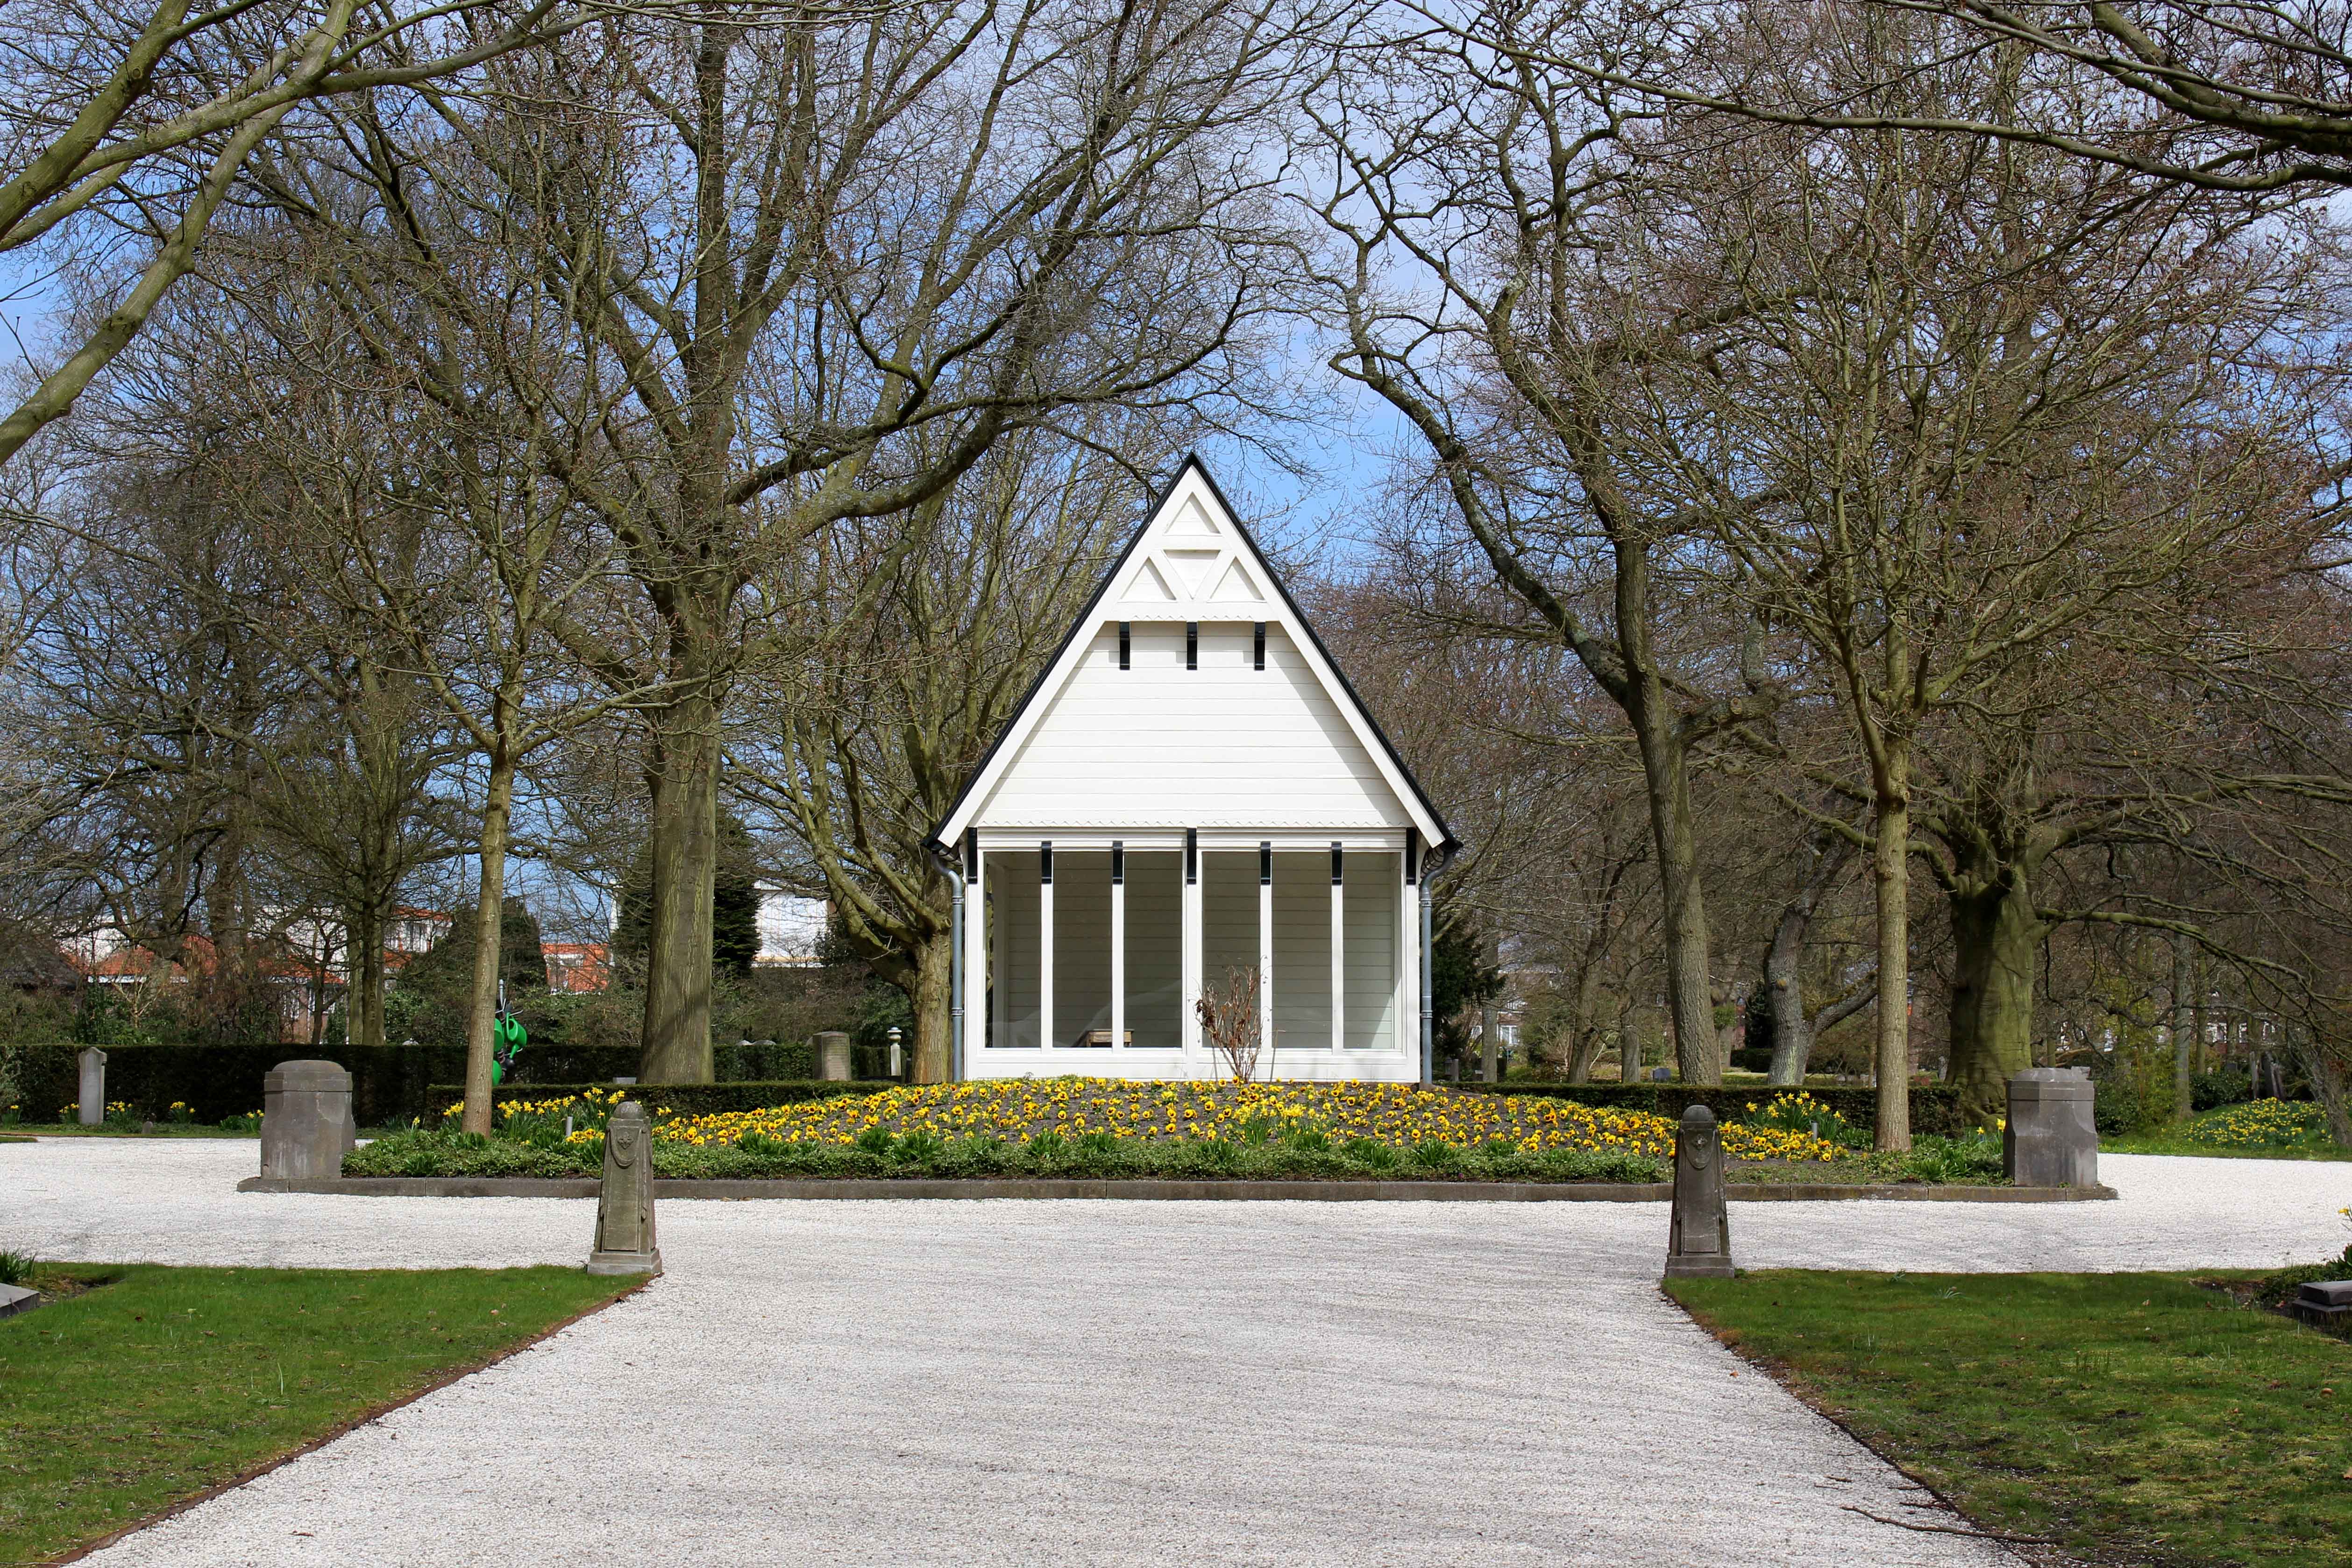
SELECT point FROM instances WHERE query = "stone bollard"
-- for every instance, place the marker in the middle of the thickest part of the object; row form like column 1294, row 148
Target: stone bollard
column 92, row 1109
column 832, row 1056
column 624, row 1202
column 306, row 1119
column 2053, row 1138
column 1699, row 1241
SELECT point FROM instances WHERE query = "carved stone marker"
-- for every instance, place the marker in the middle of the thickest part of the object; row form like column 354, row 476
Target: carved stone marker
column 93, row 1063
column 832, row 1056
column 1699, row 1242
column 2324, row 1303
column 624, row 1205
column 306, row 1119
column 2051, row 1139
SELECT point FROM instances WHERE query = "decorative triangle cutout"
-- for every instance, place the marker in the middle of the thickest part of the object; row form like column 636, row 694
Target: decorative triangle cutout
column 1236, row 584
column 1191, row 523
column 1150, row 585
column 1191, row 567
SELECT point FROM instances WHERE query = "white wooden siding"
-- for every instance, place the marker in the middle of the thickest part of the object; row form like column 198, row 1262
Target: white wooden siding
column 1159, row 746
column 1374, row 881
column 1012, row 886
column 1302, row 950
column 1228, row 917
column 1155, row 919
column 1081, row 944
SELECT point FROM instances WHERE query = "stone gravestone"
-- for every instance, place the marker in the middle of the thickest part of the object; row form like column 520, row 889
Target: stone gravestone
column 92, row 1108
column 624, row 1205
column 1699, row 1241
column 306, row 1120
column 2051, row 1139
column 832, row 1056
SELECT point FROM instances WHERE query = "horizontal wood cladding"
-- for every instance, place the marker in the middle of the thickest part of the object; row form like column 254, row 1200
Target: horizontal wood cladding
column 1302, row 951
column 1372, row 889
column 1159, row 746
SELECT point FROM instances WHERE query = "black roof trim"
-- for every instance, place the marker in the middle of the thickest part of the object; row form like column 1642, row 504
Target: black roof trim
column 1085, row 619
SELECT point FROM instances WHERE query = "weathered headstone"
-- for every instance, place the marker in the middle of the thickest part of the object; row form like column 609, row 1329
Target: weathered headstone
column 306, row 1119
column 2324, row 1303
column 92, row 1098
column 2053, row 1137
column 624, row 1205
column 1699, row 1240
column 832, row 1056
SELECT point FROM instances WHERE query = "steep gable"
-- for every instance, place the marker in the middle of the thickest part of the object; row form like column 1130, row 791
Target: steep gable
column 1224, row 743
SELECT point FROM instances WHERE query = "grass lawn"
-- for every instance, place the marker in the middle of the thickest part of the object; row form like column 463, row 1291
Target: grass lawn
column 2130, row 1417
column 127, row 1397
column 2171, row 1144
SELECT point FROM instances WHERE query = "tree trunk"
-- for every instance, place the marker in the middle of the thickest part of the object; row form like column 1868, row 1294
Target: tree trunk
column 1996, row 938
column 1792, row 1039
column 1490, row 1022
column 489, row 924
column 2184, row 1018
column 2326, row 1082
column 1665, row 777
column 1890, row 871
column 363, row 959
column 1792, row 1035
column 2203, row 1047
column 684, row 782
column 932, row 987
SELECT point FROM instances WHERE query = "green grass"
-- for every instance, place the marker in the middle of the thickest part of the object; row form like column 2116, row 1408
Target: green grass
column 2259, row 1129
column 2131, row 1418
column 125, row 1398
column 2173, row 1143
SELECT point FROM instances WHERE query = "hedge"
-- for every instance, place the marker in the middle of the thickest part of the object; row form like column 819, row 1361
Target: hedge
column 391, row 1085
column 1935, row 1107
column 687, row 1099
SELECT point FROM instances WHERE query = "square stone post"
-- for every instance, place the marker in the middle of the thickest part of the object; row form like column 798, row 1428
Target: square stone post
column 306, row 1120
column 2053, row 1136
column 91, row 1109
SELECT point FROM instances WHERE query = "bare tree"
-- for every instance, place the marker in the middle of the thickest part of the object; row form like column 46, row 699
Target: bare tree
column 1473, row 188
column 916, row 638
column 826, row 263
column 139, row 115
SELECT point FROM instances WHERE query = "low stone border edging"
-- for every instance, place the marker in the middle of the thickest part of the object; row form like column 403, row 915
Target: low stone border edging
column 1261, row 1191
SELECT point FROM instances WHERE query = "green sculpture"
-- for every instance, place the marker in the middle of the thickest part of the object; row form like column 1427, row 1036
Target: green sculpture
column 507, row 1037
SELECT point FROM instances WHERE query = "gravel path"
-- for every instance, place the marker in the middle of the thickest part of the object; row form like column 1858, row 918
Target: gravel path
column 1025, row 1383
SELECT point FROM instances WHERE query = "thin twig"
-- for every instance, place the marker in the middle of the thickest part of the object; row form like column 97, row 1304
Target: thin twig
column 1949, row 1529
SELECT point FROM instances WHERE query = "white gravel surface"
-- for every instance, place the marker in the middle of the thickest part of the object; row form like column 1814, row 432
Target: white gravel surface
column 1031, row 1382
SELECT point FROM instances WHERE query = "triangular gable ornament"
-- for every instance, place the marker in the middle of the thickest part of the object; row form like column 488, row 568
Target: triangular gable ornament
column 1192, row 560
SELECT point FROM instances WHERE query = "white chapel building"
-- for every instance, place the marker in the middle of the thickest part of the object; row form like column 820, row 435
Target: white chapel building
column 1191, row 790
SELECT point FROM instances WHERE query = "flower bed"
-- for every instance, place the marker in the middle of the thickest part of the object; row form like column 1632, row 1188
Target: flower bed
column 1098, row 1128
column 2259, row 1124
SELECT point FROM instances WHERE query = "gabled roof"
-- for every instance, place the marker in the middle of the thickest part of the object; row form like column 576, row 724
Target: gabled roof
column 1192, row 559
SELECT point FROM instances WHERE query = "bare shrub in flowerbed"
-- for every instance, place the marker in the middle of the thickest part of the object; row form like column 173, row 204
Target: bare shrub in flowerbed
column 1099, row 1127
